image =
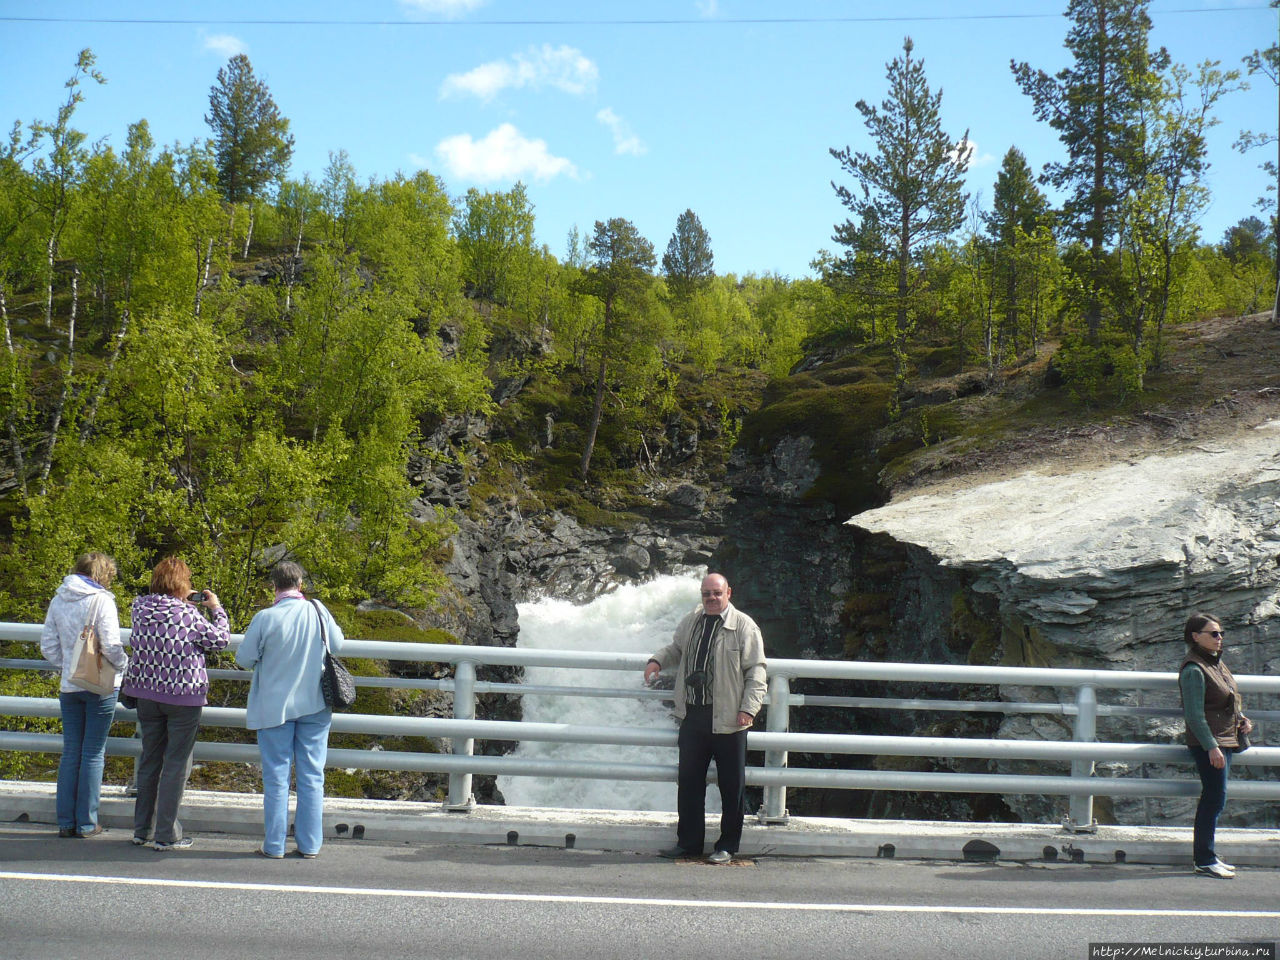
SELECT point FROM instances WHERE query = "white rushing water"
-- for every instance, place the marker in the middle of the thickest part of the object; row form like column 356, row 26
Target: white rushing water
column 631, row 619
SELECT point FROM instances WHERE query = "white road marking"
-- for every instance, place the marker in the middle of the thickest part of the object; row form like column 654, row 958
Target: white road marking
column 964, row 909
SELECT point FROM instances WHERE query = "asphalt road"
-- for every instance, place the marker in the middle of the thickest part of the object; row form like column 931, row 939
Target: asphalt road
column 69, row 899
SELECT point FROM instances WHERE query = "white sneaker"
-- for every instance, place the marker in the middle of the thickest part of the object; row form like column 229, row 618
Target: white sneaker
column 1226, row 866
column 1216, row 870
column 184, row 844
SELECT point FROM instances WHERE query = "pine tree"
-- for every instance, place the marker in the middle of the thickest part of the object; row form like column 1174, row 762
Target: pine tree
column 913, row 185
column 1094, row 106
column 619, row 272
column 688, row 262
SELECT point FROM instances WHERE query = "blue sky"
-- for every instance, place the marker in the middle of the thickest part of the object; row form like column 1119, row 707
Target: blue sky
column 633, row 119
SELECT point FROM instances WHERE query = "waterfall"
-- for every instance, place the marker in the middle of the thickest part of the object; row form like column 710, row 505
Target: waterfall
column 632, row 619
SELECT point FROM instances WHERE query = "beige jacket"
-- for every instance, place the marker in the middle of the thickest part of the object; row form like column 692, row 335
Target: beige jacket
column 738, row 670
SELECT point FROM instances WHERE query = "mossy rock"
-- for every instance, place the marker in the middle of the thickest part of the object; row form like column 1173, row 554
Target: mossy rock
column 1025, row 646
column 858, row 605
column 841, row 420
column 938, row 361
column 339, row 783
column 972, row 633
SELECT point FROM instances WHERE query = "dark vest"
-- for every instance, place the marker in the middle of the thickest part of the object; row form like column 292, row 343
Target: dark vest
column 1221, row 699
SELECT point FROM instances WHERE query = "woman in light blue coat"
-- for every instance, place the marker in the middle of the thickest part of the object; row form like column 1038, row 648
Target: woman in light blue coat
column 284, row 646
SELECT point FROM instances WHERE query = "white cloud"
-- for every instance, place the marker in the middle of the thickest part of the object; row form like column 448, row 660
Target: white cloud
column 447, row 8
column 503, row 155
column 624, row 138
column 708, row 8
column 225, row 44
column 564, row 68
column 973, row 157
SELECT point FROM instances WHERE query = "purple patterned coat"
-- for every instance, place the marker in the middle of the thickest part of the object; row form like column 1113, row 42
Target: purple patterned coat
column 169, row 641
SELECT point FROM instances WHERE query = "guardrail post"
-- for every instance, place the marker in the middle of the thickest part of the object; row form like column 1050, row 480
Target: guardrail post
column 1085, row 730
column 774, row 808
column 464, row 708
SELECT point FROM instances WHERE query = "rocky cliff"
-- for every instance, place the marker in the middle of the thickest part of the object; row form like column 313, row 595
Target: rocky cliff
column 1068, row 542
column 1099, row 567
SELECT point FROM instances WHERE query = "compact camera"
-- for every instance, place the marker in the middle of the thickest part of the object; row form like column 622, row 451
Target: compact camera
column 195, row 596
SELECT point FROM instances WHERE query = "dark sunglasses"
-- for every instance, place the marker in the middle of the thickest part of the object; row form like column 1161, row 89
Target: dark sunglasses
column 1216, row 634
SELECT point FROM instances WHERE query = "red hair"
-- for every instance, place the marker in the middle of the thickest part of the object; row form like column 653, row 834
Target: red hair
column 171, row 576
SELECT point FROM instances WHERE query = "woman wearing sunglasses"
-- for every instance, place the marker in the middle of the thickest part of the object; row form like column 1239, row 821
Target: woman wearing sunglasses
column 1211, row 707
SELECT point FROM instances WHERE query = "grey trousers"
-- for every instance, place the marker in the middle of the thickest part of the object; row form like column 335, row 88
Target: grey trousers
column 168, row 738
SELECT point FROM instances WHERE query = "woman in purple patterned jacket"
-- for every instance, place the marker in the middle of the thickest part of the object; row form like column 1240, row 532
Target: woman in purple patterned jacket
column 167, row 676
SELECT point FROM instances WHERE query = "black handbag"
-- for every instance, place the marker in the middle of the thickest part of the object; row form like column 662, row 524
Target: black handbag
column 1242, row 738
column 336, row 683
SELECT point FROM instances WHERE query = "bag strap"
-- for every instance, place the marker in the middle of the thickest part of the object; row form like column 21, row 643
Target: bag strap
column 94, row 609
column 324, row 633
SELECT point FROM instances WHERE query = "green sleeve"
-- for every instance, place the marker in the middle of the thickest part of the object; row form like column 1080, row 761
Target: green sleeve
column 1191, row 683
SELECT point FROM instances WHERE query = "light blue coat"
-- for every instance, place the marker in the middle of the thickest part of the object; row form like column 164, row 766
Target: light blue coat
column 284, row 649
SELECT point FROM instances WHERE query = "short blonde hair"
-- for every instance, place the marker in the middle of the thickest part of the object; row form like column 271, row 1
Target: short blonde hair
column 98, row 567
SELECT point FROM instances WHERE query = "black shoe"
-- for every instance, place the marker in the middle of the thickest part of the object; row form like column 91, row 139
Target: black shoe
column 721, row 856
column 678, row 853
column 65, row 832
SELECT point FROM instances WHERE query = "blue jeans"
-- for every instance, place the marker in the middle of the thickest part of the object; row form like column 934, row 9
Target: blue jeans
column 304, row 744
column 86, row 718
column 1213, row 797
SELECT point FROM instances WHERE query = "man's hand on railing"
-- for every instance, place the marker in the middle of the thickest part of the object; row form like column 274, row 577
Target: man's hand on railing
column 651, row 671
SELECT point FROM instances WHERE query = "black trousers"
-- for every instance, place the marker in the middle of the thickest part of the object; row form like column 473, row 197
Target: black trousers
column 698, row 747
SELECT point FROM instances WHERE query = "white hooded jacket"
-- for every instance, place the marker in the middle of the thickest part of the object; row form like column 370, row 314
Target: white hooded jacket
column 75, row 600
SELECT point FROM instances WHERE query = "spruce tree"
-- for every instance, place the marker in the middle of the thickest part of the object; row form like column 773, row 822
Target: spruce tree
column 1018, row 210
column 688, row 262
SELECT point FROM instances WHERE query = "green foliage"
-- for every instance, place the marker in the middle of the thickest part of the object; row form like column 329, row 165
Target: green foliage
column 1095, row 373
column 495, row 242
column 238, row 424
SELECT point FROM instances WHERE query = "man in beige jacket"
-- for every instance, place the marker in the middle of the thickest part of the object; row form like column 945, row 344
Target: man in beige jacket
column 718, row 656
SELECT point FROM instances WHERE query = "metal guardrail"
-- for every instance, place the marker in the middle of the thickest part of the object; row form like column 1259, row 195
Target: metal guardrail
column 463, row 729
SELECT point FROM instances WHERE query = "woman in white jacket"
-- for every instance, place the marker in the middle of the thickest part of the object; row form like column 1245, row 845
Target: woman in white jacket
column 86, row 716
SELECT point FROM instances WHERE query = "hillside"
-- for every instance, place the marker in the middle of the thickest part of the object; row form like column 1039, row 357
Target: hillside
column 1218, row 376
column 1222, row 376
